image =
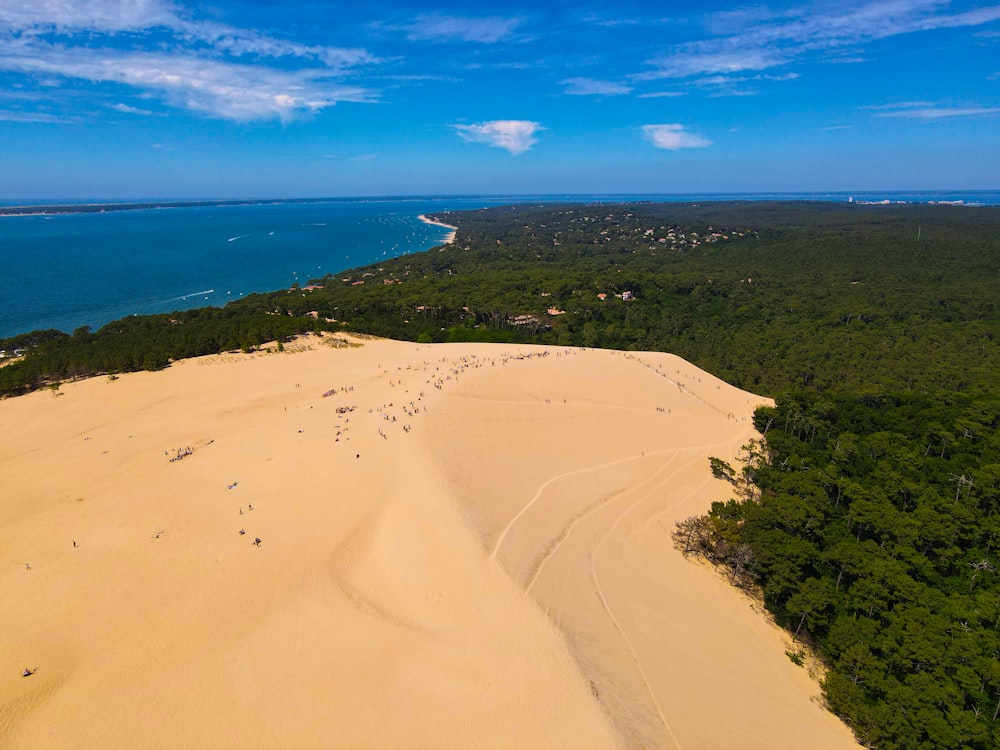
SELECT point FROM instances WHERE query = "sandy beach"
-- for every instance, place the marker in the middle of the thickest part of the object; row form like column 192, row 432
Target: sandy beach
column 451, row 236
column 383, row 545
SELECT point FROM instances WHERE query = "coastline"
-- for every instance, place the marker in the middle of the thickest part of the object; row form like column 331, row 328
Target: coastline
column 450, row 239
column 85, row 289
column 102, row 208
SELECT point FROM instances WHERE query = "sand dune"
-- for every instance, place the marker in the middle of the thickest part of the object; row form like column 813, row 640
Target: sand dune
column 460, row 546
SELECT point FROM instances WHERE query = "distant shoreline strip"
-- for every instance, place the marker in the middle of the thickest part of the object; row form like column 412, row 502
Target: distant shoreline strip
column 451, row 236
column 100, row 208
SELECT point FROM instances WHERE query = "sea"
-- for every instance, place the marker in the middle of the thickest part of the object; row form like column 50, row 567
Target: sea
column 70, row 270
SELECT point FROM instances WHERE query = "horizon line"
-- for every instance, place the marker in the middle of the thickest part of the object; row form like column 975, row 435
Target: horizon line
column 24, row 203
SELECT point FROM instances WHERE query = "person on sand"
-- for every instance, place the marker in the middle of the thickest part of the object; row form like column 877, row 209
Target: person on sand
column 28, row 672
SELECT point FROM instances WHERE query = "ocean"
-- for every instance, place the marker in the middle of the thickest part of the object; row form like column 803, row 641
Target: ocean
column 70, row 270
column 86, row 269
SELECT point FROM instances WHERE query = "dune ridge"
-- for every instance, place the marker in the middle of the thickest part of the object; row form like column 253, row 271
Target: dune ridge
column 460, row 546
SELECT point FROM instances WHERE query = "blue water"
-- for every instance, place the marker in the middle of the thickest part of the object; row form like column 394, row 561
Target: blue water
column 70, row 270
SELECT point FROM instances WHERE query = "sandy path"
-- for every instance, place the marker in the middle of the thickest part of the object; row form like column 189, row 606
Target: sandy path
column 402, row 517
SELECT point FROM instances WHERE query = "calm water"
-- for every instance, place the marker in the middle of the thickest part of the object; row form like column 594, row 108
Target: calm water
column 73, row 270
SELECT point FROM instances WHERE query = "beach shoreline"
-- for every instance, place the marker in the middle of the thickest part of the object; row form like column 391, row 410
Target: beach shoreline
column 450, row 238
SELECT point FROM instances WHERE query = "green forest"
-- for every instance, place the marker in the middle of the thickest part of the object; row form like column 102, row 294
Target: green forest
column 868, row 514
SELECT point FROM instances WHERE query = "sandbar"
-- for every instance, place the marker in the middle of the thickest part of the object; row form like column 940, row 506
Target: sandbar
column 450, row 238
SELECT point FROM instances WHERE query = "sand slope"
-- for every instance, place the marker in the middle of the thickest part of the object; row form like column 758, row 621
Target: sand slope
column 401, row 520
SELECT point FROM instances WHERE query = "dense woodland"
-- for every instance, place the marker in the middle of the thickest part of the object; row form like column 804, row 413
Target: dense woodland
column 868, row 516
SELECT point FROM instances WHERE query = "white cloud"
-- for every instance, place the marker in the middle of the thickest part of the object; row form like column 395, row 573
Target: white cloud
column 929, row 111
column 228, row 90
column 107, row 16
column 735, row 85
column 609, row 21
column 756, row 40
column 782, row 77
column 592, row 87
column 721, row 81
column 239, row 42
column 440, row 28
column 31, row 117
column 192, row 64
column 129, row 110
column 673, row 137
column 733, row 92
column 661, row 94
column 708, row 58
column 516, row 136
column 726, row 22
column 898, row 105
column 112, row 17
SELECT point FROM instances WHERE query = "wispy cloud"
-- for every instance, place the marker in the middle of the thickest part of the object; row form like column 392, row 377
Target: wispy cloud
column 193, row 64
column 738, row 85
column 516, row 136
column 673, row 137
column 106, row 16
column 703, row 58
column 928, row 111
column 32, row 117
column 661, row 94
column 351, row 157
column 782, row 77
column 130, row 110
column 239, row 42
column 593, row 87
column 754, row 41
column 110, row 17
column 228, row 90
column 727, row 22
column 435, row 27
column 898, row 105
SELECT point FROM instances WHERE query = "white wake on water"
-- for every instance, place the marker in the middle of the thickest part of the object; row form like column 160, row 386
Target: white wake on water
column 189, row 296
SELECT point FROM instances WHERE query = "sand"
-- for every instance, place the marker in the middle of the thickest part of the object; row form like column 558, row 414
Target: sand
column 450, row 237
column 461, row 546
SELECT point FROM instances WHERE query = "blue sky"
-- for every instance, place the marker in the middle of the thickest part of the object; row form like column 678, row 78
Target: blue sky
column 165, row 99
